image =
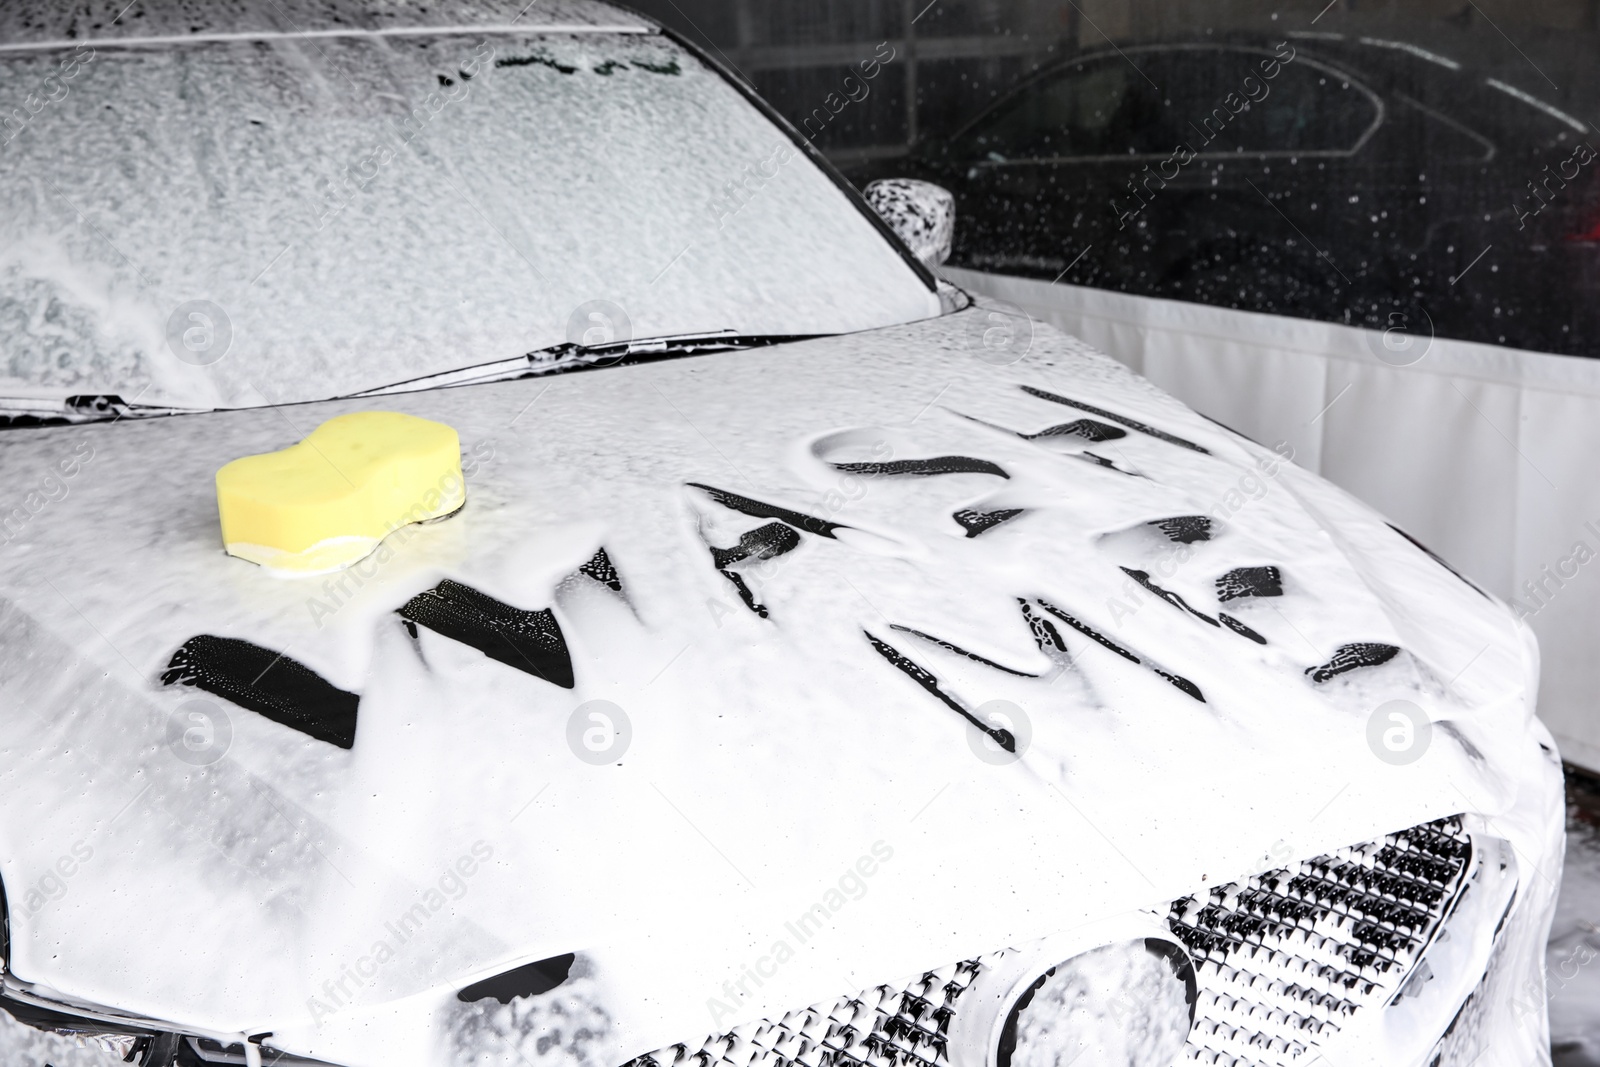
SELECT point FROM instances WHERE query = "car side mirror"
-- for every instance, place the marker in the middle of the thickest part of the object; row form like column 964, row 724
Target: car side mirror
column 921, row 214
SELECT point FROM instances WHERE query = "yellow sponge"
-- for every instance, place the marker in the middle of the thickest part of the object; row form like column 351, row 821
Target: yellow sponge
column 328, row 501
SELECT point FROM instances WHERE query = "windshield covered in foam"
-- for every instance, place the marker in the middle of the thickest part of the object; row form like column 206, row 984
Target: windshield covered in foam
column 242, row 222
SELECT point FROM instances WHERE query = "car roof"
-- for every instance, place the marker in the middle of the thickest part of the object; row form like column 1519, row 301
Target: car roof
column 31, row 25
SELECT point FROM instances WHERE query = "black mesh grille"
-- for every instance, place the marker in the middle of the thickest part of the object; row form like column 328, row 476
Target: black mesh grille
column 1285, row 957
column 890, row 1026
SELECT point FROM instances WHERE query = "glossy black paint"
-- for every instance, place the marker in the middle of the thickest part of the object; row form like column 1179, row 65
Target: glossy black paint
column 269, row 683
column 530, row 641
column 529, row 980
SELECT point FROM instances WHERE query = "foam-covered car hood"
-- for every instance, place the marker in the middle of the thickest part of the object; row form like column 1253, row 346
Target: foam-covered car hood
column 339, row 897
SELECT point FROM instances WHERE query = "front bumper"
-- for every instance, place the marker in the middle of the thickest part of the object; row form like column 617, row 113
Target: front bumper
column 1423, row 949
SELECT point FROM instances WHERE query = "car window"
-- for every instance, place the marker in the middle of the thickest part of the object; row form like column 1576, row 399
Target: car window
column 1100, row 107
column 1228, row 100
column 336, row 215
column 1305, row 108
column 1151, row 101
column 1440, row 138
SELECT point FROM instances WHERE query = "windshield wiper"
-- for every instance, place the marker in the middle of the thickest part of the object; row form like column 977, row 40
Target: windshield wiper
column 18, row 412
column 558, row 359
column 21, row 411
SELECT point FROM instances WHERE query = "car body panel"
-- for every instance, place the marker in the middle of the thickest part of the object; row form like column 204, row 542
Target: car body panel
column 769, row 753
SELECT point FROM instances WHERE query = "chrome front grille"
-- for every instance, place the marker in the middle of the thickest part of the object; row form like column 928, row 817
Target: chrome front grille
column 1281, row 959
column 1285, row 957
column 901, row 1025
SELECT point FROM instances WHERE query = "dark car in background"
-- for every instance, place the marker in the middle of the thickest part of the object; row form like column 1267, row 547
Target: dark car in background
column 1344, row 178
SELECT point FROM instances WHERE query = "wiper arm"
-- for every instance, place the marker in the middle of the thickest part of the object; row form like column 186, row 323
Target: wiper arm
column 20, row 411
column 501, row 370
column 715, row 341
column 564, row 357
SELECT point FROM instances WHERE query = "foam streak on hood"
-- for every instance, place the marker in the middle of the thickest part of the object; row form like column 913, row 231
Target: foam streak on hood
column 769, row 752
